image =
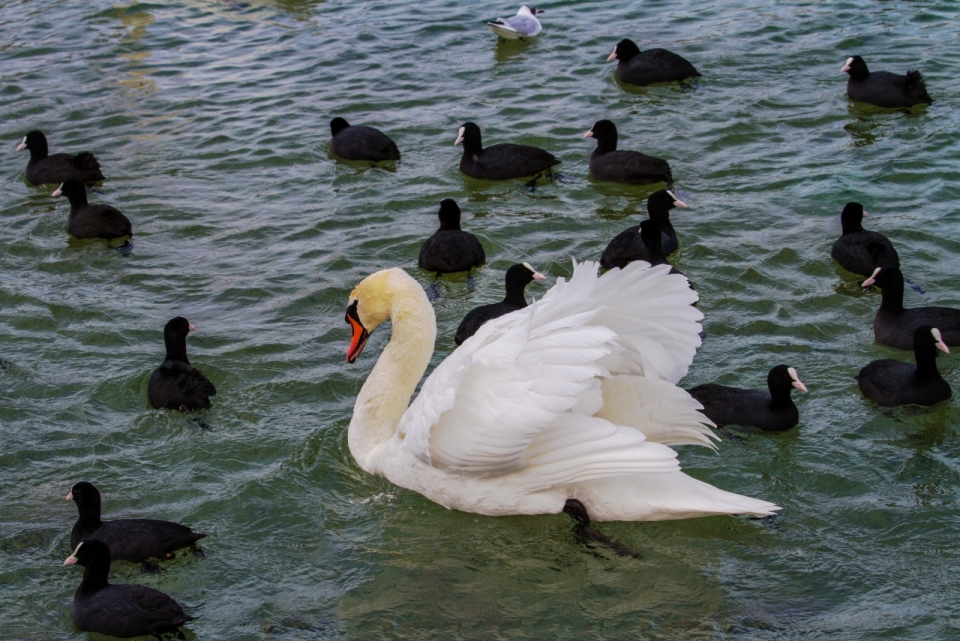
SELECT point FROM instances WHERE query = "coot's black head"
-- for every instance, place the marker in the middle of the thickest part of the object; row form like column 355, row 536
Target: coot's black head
column 851, row 219
column 624, row 50
column 449, row 214
column 927, row 340
column 782, row 378
column 36, row 142
column 90, row 554
column 661, row 202
column 175, row 338
column 337, row 125
column 74, row 190
column 86, row 496
column 856, row 67
column 885, row 278
column 517, row 278
column 605, row 133
column 469, row 135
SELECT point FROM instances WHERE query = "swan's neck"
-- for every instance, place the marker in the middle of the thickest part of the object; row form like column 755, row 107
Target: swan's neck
column 386, row 394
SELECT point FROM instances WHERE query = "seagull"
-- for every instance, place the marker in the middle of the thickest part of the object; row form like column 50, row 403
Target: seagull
column 524, row 24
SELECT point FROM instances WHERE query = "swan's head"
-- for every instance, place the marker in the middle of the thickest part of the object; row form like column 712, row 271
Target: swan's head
column 373, row 302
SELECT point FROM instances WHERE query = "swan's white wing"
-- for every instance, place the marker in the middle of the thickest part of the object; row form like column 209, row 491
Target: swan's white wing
column 484, row 405
column 479, row 410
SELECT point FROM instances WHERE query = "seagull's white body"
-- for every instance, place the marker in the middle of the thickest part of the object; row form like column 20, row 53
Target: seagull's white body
column 571, row 397
column 522, row 25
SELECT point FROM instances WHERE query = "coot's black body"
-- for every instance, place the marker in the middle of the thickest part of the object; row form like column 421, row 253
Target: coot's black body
column 633, row 167
column 649, row 67
column 451, row 249
column 176, row 384
column 500, row 162
column 118, row 610
column 771, row 410
column 885, row 89
column 628, row 246
column 92, row 221
column 132, row 540
column 890, row 383
column 516, row 281
column 861, row 251
column 359, row 142
column 44, row 168
column 895, row 326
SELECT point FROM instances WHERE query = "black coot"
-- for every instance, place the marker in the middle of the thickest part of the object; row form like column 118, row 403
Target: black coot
column 91, row 221
column 606, row 163
column 772, row 411
column 884, row 89
column 451, row 249
column 132, row 540
column 861, row 251
column 650, row 66
column 177, row 385
column 359, row 142
column 43, row 169
column 888, row 382
column 500, row 162
column 118, row 610
column 516, row 281
column 628, row 246
column 895, row 326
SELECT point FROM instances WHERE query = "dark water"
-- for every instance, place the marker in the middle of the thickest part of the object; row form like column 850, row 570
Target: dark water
column 211, row 122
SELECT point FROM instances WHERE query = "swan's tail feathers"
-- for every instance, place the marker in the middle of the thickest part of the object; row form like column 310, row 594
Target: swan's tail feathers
column 662, row 497
column 663, row 412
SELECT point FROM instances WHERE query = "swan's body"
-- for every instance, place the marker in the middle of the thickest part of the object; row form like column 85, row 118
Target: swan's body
column 571, row 397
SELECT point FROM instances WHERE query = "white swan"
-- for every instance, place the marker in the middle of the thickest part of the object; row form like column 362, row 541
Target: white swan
column 572, row 397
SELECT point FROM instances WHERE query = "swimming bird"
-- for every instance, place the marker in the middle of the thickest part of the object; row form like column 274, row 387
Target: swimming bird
column 516, row 281
column 570, row 397
column 890, row 383
column 650, row 66
column 858, row 250
column 633, row 167
column 450, row 249
column 523, row 25
column 628, row 245
column 43, row 168
column 133, row 540
column 91, row 221
column 882, row 88
column 895, row 326
column 175, row 384
column 360, row 142
column 118, row 610
column 771, row 411
column 500, row 162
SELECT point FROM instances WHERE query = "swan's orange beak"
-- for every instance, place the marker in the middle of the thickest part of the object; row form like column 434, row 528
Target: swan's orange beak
column 360, row 334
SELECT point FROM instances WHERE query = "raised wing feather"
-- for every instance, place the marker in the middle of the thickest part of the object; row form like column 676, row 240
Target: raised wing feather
column 650, row 309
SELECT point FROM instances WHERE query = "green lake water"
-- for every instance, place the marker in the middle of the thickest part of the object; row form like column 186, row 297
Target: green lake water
column 211, row 122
